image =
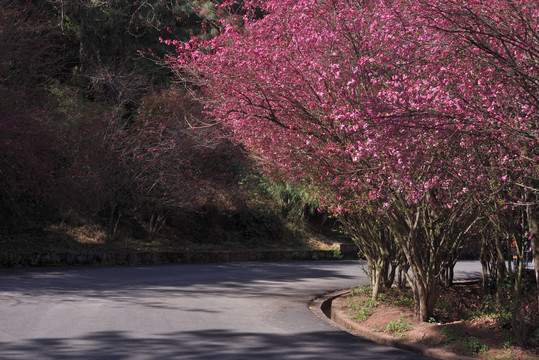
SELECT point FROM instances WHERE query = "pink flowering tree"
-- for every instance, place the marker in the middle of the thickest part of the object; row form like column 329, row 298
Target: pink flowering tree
column 498, row 42
column 360, row 101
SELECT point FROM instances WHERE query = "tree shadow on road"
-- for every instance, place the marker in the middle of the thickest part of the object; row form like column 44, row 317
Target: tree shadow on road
column 211, row 344
column 123, row 283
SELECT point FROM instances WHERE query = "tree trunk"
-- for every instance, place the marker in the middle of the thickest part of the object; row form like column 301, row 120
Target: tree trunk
column 402, row 270
column 484, row 258
column 517, row 321
column 533, row 226
column 424, row 284
column 425, row 296
column 376, row 279
column 389, row 276
column 114, row 221
column 448, row 273
column 370, row 268
column 500, row 271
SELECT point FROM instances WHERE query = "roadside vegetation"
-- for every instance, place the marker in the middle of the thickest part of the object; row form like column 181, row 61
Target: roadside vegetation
column 99, row 149
column 466, row 320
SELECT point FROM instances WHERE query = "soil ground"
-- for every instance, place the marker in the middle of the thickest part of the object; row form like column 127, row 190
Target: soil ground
column 463, row 323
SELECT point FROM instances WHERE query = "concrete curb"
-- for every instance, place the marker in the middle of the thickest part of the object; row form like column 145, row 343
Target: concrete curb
column 321, row 307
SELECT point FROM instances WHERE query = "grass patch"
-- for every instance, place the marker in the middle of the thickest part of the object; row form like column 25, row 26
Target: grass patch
column 361, row 310
column 362, row 314
column 361, row 290
column 405, row 300
column 398, row 326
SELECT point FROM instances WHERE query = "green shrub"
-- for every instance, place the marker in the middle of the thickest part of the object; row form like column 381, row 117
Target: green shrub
column 362, row 313
column 398, row 326
column 472, row 346
column 361, row 310
column 337, row 254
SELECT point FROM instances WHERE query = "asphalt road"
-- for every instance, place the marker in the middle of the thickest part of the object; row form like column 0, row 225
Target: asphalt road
column 219, row 311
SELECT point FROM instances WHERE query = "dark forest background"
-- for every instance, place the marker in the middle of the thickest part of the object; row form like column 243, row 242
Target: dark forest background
column 100, row 147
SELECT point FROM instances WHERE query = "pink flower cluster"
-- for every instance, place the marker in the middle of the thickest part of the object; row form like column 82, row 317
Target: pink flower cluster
column 363, row 100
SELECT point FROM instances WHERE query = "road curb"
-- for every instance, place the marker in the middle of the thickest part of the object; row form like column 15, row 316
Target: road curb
column 321, row 307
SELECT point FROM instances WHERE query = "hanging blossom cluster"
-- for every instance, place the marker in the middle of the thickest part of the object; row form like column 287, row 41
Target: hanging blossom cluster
column 367, row 99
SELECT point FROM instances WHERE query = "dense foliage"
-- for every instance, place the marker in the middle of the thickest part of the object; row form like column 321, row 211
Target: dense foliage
column 94, row 132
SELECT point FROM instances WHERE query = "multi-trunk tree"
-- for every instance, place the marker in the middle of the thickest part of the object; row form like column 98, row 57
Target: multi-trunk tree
column 499, row 42
column 387, row 104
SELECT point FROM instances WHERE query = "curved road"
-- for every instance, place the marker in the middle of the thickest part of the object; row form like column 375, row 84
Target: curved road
column 223, row 311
